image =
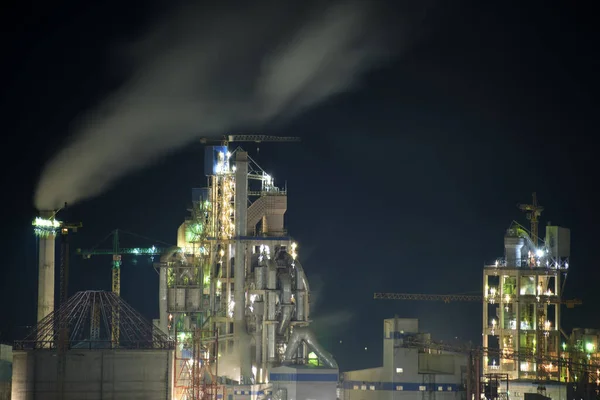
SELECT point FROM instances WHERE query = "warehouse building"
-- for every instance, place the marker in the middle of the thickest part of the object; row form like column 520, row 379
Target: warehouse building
column 410, row 370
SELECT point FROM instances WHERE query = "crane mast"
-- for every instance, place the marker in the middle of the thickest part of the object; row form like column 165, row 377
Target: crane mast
column 117, row 253
column 534, row 211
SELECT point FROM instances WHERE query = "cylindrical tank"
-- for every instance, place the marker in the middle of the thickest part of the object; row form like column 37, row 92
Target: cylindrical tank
column 260, row 277
column 272, row 276
column 172, row 300
column 512, row 248
column 180, row 299
column 194, row 298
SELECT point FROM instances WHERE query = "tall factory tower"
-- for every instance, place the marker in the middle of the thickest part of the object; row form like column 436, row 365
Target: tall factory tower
column 522, row 299
column 45, row 228
column 235, row 275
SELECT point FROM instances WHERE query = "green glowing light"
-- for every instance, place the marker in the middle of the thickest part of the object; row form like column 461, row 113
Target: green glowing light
column 194, row 232
column 313, row 359
column 589, row 347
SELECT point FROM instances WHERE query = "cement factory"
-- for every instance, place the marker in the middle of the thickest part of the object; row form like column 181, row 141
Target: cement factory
column 235, row 307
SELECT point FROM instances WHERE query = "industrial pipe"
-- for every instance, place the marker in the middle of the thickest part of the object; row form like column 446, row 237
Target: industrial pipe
column 302, row 290
column 271, row 308
column 287, row 308
column 300, row 335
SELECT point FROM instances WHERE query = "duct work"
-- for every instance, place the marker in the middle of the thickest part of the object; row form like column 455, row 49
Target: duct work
column 305, row 335
column 278, row 306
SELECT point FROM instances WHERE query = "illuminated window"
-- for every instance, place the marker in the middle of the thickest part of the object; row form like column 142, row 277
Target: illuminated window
column 399, row 370
column 422, row 388
column 372, row 387
column 399, row 387
column 440, row 388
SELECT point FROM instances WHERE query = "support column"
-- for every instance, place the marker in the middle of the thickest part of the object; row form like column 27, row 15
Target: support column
column 239, row 295
column 45, row 229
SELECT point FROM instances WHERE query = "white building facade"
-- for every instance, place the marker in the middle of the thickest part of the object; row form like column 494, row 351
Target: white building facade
column 408, row 371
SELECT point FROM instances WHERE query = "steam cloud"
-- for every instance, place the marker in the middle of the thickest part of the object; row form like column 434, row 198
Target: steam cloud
column 201, row 75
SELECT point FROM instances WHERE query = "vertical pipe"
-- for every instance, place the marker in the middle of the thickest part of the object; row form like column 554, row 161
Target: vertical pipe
column 258, row 349
column 300, row 299
column 470, row 368
column 241, row 222
column 478, row 376
column 162, row 301
column 271, row 304
column 485, row 316
column 517, row 335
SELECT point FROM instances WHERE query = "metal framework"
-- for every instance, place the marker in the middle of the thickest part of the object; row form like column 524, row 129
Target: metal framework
column 117, row 251
column 86, row 321
column 476, row 354
column 447, row 298
column 225, row 140
column 205, row 366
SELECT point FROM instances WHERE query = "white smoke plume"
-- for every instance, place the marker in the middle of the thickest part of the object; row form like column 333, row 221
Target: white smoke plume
column 331, row 322
column 209, row 72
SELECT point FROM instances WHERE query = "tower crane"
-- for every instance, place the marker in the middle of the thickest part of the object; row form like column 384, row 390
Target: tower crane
column 533, row 210
column 225, row 140
column 117, row 251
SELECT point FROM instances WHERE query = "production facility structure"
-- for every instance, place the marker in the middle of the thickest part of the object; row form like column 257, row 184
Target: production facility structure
column 234, row 295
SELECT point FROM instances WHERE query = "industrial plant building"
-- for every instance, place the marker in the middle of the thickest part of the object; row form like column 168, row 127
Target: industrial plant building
column 234, row 308
column 235, row 281
column 234, row 317
column 525, row 346
column 412, row 368
column 522, row 307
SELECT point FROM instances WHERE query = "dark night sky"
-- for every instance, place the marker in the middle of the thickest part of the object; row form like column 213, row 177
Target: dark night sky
column 405, row 184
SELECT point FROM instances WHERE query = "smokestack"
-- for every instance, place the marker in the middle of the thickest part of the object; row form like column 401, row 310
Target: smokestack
column 45, row 229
